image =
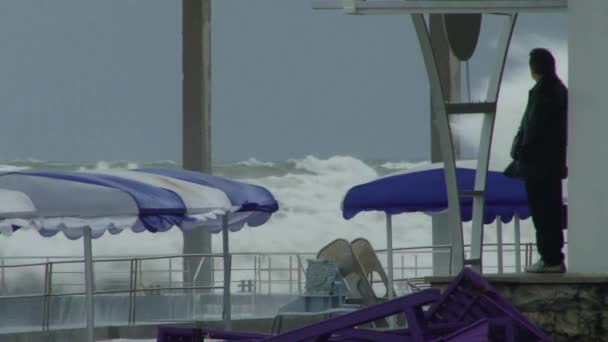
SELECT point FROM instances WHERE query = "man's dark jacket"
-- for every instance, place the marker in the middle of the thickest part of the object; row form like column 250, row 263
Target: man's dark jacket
column 539, row 148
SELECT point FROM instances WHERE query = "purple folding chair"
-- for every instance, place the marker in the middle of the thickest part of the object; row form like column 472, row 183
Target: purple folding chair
column 476, row 332
column 170, row 334
column 344, row 325
column 470, row 298
column 233, row 335
column 469, row 310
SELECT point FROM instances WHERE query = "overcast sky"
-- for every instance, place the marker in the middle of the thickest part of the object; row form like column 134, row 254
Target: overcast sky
column 101, row 80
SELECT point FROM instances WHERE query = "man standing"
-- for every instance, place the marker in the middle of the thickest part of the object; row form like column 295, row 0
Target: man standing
column 539, row 154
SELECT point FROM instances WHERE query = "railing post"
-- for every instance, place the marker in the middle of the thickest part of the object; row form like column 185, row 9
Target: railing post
column 416, row 266
column 255, row 269
column 499, row 251
column 136, row 280
column 517, row 237
column 299, row 274
column 170, row 272
column 402, row 267
column 131, row 283
column 48, row 270
column 290, row 275
column 3, row 284
column 259, row 288
column 140, row 276
column 269, row 274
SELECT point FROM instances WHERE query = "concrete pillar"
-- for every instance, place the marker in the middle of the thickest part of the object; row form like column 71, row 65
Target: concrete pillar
column 449, row 72
column 587, row 123
column 196, row 117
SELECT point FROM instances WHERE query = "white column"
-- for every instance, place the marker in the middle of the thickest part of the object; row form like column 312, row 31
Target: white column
column 587, row 123
column 196, row 119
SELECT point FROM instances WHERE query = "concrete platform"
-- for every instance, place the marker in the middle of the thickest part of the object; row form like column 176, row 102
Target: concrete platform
column 570, row 307
column 148, row 332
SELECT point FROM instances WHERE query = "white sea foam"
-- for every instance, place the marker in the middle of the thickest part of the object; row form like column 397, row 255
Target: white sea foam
column 254, row 162
column 9, row 168
column 309, row 217
column 309, row 191
column 399, row 166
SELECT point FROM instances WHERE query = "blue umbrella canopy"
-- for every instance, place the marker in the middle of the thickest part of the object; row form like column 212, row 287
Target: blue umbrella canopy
column 254, row 204
column 424, row 190
column 69, row 201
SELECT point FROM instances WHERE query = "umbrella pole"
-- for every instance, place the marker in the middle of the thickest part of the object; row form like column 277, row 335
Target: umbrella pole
column 517, row 239
column 389, row 247
column 227, row 269
column 499, row 254
column 88, row 273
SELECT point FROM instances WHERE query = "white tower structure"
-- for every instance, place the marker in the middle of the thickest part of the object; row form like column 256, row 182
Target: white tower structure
column 442, row 106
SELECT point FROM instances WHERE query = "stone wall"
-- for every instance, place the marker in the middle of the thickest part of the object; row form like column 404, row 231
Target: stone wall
column 569, row 312
column 567, row 307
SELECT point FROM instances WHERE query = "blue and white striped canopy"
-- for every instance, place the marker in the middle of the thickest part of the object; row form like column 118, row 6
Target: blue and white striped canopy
column 424, row 190
column 115, row 200
column 255, row 204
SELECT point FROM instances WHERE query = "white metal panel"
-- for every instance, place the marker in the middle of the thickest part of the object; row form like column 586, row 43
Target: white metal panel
column 587, row 123
column 440, row 6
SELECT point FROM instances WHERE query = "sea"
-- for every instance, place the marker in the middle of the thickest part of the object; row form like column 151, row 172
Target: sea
column 309, row 191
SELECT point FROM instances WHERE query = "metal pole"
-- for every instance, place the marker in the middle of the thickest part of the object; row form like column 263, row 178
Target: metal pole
column 389, row 247
column 170, row 272
column 135, row 286
column 3, row 277
column 499, row 244
column 402, row 266
column 517, row 238
column 259, row 287
column 131, row 285
column 88, row 272
column 290, row 275
column 48, row 269
column 255, row 272
column 227, row 268
column 269, row 274
column 299, row 274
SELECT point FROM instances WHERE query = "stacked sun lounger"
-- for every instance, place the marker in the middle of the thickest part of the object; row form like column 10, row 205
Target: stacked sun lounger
column 470, row 310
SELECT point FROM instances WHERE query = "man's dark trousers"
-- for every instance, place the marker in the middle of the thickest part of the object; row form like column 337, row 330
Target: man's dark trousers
column 545, row 203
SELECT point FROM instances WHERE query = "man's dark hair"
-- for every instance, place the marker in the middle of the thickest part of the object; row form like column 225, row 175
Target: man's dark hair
column 542, row 62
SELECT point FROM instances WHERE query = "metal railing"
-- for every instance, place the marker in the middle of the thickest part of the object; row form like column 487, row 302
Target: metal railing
column 260, row 273
column 253, row 274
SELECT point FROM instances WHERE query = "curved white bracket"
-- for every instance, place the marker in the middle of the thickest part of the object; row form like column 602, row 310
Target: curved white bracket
column 485, row 144
column 442, row 107
column 445, row 142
